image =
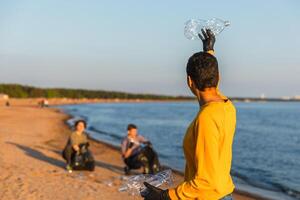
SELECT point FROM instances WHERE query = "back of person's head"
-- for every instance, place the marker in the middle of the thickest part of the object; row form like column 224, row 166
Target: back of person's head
column 131, row 126
column 81, row 121
column 203, row 69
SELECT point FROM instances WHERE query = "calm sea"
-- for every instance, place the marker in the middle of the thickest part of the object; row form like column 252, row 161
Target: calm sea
column 266, row 150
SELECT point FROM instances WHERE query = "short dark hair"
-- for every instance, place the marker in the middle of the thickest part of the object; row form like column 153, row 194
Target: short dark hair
column 81, row 120
column 203, row 69
column 131, row 126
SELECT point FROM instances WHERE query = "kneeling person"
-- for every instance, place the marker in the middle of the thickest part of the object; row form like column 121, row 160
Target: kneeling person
column 76, row 151
column 137, row 152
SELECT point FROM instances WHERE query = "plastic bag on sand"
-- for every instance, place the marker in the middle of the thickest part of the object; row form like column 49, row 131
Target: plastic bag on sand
column 135, row 184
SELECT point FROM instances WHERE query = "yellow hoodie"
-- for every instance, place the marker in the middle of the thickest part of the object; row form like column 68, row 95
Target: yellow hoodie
column 208, row 152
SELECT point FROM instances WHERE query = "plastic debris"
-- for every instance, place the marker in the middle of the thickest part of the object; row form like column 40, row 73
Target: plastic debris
column 135, row 184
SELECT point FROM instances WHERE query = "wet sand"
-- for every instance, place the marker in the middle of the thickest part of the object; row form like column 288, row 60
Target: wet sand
column 31, row 165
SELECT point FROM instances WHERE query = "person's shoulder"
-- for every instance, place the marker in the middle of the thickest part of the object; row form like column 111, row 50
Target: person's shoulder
column 125, row 139
column 85, row 134
column 228, row 106
column 218, row 106
column 205, row 115
column 217, row 111
column 73, row 136
column 231, row 105
column 73, row 133
column 210, row 111
column 141, row 138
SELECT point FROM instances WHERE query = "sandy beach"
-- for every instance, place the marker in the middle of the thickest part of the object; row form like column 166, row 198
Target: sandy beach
column 31, row 165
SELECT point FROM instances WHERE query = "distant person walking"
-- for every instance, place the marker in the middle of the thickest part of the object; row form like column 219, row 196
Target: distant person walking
column 43, row 103
column 208, row 140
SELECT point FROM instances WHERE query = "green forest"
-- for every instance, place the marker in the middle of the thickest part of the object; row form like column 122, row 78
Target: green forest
column 22, row 91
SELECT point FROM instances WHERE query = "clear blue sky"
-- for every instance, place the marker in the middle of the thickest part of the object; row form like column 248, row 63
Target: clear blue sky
column 138, row 46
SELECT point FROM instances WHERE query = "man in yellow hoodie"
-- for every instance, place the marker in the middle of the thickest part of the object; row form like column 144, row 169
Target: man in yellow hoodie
column 208, row 141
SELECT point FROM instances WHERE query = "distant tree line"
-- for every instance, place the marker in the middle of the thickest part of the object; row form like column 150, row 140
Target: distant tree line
column 21, row 91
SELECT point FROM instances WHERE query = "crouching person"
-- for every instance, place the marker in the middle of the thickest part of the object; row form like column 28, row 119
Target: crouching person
column 137, row 152
column 76, row 152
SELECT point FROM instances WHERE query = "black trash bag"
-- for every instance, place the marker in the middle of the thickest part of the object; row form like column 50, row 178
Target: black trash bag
column 152, row 157
column 149, row 158
column 83, row 160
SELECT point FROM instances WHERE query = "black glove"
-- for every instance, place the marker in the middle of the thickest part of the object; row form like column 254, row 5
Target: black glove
column 208, row 39
column 154, row 193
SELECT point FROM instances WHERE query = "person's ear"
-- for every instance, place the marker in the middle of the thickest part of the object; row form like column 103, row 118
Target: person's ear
column 189, row 81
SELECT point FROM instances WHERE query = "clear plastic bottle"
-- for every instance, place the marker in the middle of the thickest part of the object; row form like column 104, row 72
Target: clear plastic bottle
column 193, row 27
column 135, row 184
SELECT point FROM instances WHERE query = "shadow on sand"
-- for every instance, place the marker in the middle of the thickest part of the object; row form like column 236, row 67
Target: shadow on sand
column 39, row 155
column 114, row 168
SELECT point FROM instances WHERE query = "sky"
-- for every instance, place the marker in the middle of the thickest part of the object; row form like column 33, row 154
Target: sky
column 139, row 46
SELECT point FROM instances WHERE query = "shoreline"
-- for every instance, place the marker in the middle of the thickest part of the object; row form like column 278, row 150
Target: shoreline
column 69, row 101
column 32, row 167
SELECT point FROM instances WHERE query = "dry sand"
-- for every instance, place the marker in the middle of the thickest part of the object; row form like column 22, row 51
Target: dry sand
column 31, row 166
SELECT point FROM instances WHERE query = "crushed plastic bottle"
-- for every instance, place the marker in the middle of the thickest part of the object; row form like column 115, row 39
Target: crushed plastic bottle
column 135, row 184
column 193, row 27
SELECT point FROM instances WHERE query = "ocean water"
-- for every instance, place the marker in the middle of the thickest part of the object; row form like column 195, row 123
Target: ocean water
column 266, row 150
